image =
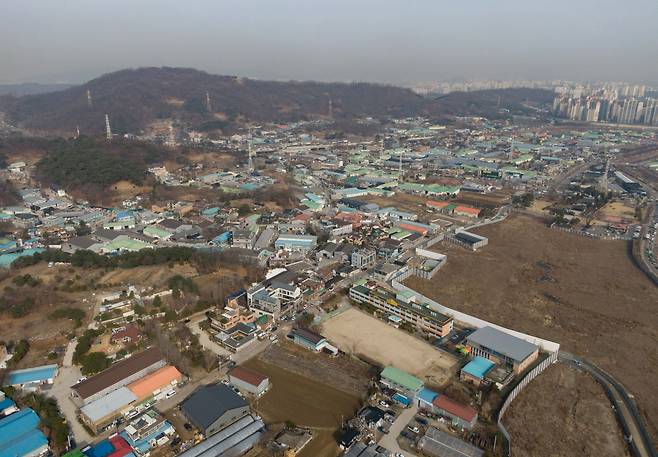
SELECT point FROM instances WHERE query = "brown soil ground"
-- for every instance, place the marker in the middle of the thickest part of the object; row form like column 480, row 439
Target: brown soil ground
column 306, row 402
column 492, row 200
column 343, row 373
column 355, row 332
column 574, row 408
column 583, row 293
column 147, row 276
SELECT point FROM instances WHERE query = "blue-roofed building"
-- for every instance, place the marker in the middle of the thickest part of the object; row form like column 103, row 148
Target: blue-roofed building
column 209, row 212
column 222, row 239
column 20, row 435
column 7, row 405
column 475, row 370
column 31, row 378
column 425, row 397
column 303, row 243
column 7, row 259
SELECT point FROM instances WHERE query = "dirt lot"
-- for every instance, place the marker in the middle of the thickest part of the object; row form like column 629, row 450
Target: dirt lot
column 574, row 407
column 618, row 209
column 357, row 333
column 584, row 293
column 343, row 373
column 147, row 276
column 306, row 402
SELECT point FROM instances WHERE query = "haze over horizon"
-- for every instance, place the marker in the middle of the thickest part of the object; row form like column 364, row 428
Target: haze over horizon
column 380, row 41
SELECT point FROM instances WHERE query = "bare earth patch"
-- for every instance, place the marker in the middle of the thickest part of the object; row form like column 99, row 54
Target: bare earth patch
column 357, row 333
column 564, row 413
column 585, row 294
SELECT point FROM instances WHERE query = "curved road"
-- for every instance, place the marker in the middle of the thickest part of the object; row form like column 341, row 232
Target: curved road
column 635, row 431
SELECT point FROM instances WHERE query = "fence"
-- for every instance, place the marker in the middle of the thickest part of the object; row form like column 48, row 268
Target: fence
column 515, row 392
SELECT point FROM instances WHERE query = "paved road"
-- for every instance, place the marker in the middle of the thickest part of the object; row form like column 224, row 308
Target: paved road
column 389, row 441
column 625, row 408
column 68, row 375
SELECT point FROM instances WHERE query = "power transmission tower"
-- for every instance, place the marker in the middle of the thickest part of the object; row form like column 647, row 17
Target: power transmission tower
column 90, row 103
column 108, row 129
column 251, row 154
column 208, row 104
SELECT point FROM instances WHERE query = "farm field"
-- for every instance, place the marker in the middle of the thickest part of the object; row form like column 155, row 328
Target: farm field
column 583, row 293
column 574, row 407
column 355, row 332
column 306, row 402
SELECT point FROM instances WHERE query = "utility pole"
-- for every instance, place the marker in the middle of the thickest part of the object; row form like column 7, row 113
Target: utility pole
column 251, row 154
column 108, row 129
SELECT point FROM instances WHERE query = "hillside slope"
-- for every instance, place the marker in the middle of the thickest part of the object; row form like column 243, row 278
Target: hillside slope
column 136, row 99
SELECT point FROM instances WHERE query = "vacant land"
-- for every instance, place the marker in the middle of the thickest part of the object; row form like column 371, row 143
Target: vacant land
column 343, row 373
column 573, row 407
column 357, row 333
column 306, row 402
column 585, row 294
column 147, row 276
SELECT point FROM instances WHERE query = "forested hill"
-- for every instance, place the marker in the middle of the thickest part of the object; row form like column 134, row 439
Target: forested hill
column 136, row 99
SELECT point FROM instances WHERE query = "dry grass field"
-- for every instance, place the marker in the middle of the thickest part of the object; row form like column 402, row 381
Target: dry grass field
column 306, row 402
column 586, row 294
column 357, row 333
column 574, row 407
column 147, row 276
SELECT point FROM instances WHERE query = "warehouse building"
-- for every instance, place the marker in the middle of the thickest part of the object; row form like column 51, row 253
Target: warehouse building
column 299, row 243
column 20, row 435
column 461, row 415
column 32, row 378
column 401, row 381
column 214, row 407
column 118, row 375
column 249, row 380
column 233, row 441
column 312, row 341
column 436, row 443
column 421, row 316
column 468, row 240
column 502, row 348
column 101, row 412
column 162, row 380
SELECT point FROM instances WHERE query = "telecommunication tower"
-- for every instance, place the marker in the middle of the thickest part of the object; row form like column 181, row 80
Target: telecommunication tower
column 108, row 129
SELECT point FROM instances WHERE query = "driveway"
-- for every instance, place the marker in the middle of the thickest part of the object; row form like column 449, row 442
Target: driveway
column 204, row 338
column 389, row 441
column 61, row 391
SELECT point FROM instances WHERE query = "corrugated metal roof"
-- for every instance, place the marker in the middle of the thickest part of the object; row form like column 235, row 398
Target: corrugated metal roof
column 402, row 378
column 241, row 431
column 108, row 404
column 208, row 403
column 503, row 343
column 159, row 379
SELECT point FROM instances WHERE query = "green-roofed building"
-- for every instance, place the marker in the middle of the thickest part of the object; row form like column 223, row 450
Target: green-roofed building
column 401, row 381
column 74, row 453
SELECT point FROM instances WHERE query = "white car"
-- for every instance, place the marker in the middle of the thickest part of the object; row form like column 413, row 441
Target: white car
column 170, row 394
column 384, row 404
column 414, row 429
column 84, row 378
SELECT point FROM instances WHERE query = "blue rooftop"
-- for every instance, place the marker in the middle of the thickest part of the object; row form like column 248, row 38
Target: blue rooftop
column 102, row 449
column 478, row 367
column 19, row 434
column 7, row 259
column 6, row 403
column 35, row 374
column 426, row 395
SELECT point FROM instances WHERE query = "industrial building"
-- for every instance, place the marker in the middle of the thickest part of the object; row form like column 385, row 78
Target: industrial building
column 421, row 316
column 249, row 380
column 436, row 443
column 214, row 407
column 118, row 375
column 300, row 243
column 468, row 239
column 20, row 435
column 31, row 378
column 502, row 348
column 234, row 440
column 311, row 340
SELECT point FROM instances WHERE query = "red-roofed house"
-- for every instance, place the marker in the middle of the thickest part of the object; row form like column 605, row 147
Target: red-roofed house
column 436, row 205
column 461, row 415
column 126, row 335
column 461, row 210
column 249, row 380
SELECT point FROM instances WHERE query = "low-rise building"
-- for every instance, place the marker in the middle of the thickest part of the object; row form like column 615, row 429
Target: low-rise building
column 20, row 435
column 421, row 316
column 401, row 381
column 311, row 340
column 461, row 415
column 301, row 243
column 249, row 380
column 476, row 370
column 502, row 348
column 31, row 378
column 214, row 407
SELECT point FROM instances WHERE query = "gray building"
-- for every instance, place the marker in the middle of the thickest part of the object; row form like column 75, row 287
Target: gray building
column 249, row 380
column 363, row 258
column 214, row 407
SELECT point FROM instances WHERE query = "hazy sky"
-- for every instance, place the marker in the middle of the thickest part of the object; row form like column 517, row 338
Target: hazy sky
column 378, row 40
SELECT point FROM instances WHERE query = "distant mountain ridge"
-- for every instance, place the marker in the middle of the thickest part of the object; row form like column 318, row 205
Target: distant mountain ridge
column 30, row 88
column 137, row 98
